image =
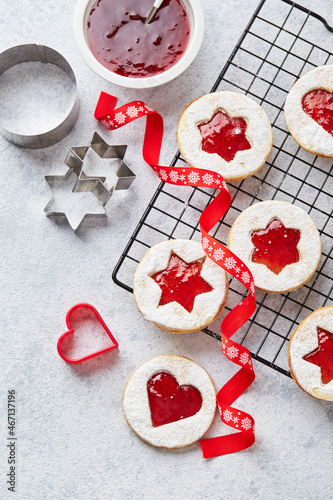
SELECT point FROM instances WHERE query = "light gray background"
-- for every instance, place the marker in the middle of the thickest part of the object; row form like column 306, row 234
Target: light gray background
column 73, row 441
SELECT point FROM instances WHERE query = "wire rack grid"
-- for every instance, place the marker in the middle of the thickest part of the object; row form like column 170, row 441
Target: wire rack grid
column 282, row 41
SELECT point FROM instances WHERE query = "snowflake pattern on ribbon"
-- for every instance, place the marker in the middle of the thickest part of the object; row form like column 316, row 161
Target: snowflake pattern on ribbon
column 237, row 419
column 218, row 254
column 193, row 177
column 132, row 111
column 245, row 278
column 245, row 359
column 232, row 352
column 174, row 176
column 119, row 118
column 208, row 179
column 113, row 118
column 227, row 415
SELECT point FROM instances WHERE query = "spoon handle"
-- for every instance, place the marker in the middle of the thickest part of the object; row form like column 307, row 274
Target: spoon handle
column 152, row 12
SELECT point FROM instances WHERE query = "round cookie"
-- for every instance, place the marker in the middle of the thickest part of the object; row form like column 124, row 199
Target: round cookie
column 278, row 242
column 170, row 401
column 178, row 288
column 310, row 354
column 308, row 111
column 228, row 124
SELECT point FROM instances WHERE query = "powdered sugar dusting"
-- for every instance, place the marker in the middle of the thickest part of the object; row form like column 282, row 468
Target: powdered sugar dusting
column 302, row 342
column 182, row 432
column 258, row 133
column 173, row 317
column 257, row 217
column 306, row 131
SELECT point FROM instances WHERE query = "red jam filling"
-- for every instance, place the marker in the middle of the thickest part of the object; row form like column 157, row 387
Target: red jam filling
column 181, row 282
column 169, row 401
column 122, row 42
column 318, row 104
column 275, row 246
column 323, row 355
column 224, row 135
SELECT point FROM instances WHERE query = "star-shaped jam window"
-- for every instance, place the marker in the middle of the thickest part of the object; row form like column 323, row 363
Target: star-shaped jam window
column 224, row 135
column 181, row 282
column 275, row 246
column 323, row 355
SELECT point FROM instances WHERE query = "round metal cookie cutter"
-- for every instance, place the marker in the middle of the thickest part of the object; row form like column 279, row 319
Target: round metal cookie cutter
column 40, row 53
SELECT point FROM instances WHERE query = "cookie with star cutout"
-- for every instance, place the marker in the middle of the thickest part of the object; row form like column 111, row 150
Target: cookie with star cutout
column 170, row 401
column 308, row 111
column 278, row 242
column 178, row 288
column 310, row 354
column 225, row 132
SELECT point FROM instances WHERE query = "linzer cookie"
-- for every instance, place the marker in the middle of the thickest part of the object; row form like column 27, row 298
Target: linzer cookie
column 310, row 354
column 309, row 111
column 170, row 401
column 278, row 242
column 226, row 132
column 178, row 288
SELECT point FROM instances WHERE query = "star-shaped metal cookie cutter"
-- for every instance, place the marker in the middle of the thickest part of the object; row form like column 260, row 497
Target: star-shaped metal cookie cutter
column 96, row 184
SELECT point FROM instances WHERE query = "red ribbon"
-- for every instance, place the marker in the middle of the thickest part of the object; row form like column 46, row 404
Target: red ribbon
column 113, row 118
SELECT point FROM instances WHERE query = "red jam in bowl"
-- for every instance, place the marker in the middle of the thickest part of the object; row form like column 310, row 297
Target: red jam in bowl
column 121, row 41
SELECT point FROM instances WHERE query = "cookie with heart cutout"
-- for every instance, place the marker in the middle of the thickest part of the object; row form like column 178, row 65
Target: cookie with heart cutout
column 170, row 401
column 178, row 288
column 225, row 132
column 308, row 111
column 310, row 354
column 278, row 242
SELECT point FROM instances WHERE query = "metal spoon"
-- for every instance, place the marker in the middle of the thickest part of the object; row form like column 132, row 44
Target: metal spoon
column 152, row 12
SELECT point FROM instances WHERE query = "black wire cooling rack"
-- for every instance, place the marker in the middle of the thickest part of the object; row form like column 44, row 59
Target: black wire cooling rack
column 282, row 41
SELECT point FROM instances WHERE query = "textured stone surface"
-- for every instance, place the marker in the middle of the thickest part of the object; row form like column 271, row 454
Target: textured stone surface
column 73, row 440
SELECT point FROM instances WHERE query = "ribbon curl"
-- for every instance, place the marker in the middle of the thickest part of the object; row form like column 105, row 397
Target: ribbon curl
column 112, row 118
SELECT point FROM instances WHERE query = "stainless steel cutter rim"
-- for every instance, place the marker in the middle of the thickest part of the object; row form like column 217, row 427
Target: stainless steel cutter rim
column 75, row 160
column 95, row 184
column 40, row 53
column 59, row 215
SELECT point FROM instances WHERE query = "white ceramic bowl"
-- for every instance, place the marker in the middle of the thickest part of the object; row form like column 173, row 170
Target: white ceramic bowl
column 195, row 12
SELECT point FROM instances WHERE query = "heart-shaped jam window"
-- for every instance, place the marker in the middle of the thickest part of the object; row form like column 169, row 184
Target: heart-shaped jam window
column 169, row 401
column 318, row 104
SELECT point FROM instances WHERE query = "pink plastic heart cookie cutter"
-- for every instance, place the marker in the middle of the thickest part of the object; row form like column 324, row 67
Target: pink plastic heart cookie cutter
column 71, row 331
